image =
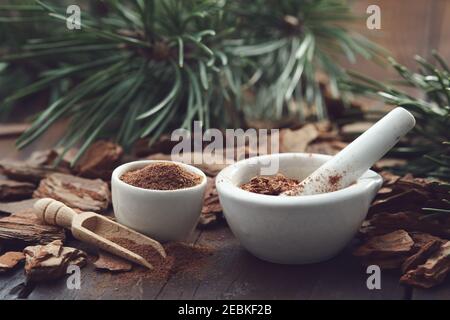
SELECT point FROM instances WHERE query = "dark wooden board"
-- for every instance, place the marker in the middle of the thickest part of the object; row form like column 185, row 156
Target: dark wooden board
column 94, row 286
column 233, row 273
column 441, row 292
column 12, row 285
column 236, row 274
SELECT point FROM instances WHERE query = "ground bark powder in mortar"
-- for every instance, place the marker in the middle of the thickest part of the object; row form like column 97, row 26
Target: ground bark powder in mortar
column 161, row 176
column 270, row 185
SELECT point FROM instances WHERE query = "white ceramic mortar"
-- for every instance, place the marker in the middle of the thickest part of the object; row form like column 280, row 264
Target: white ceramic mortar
column 293, row 230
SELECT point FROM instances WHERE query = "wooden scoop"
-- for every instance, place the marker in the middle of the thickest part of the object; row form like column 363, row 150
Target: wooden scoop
column 95, row 229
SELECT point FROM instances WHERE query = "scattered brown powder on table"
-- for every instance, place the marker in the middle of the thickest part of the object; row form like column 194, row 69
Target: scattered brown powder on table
column 270, row 185
column 181, row 259
column 161, row 176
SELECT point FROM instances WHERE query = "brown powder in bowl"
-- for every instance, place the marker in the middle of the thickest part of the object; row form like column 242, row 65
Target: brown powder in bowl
column 270, row 185
column 161, row 176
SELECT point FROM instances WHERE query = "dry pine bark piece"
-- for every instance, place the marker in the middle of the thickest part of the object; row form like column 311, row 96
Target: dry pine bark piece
column 420, row 239
column 355, row 129
column 25, row 228
column 382, row 223
column 211, row 202
column 421, row 256
column 10, row 260
column 99, row 160
column 297, row 140
column 51, row 261
column 388, row 251
column 389, row 178
column 324, row 147
column 44, row 158
column 15, row 190
column 75, row 192
column 398, row 206
column 22, row 171
column 406, row 200
column 432, row 272
column 163, row 144
column 388, row 163
column 409, row 193
column 212, row 210
column 37, row 167
column 408, row 182
column 108, row 262
column 16, row 206
column 397, row 242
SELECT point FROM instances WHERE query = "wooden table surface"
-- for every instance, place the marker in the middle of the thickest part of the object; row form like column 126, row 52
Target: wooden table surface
column 230, row 273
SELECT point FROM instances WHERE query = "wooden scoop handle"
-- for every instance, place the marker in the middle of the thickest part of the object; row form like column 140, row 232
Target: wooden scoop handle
column 54, row 212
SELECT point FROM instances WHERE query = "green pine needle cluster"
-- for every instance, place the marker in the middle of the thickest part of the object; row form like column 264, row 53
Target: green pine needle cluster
column 289, row 42
column 138, row 68
column 430, row 146
column 130, row 73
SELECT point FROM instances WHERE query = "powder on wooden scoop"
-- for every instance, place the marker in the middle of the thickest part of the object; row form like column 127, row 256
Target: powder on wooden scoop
column 161, row 176
column 270, row 185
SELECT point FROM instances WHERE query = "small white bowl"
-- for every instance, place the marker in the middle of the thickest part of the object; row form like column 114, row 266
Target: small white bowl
column 165, row 215
column 293, row 230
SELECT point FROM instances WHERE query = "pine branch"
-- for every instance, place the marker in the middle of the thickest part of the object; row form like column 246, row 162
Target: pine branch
column 155, row 59
column 430, row 146
column 182, row 60
column 291, row 41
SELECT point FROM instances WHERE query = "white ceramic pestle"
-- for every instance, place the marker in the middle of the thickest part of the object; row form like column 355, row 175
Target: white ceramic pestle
column 350, row 163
